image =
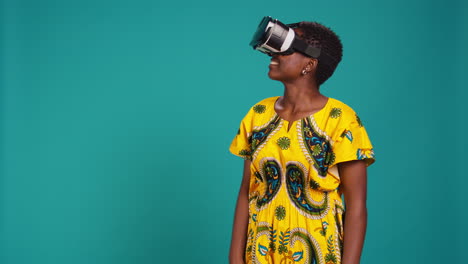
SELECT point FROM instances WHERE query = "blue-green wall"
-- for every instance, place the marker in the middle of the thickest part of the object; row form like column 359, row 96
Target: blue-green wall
column 117, row 116
column 461, row 143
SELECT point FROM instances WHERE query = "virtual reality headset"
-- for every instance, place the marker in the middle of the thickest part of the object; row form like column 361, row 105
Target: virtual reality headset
column 275, row 38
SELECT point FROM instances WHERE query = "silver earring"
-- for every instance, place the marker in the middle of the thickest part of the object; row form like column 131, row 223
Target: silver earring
column 304, row 72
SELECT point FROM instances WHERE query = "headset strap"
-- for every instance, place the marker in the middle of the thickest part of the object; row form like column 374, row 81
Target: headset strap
column 314, row 52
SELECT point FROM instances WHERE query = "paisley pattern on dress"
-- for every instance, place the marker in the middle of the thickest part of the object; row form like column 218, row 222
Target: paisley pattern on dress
column 313, row 253
column 261, row 134
column 295, row 208
column 270, row 175
column 298, row 190
column 317, row 145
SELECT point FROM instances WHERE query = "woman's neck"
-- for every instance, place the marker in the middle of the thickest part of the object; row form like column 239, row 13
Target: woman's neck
column 301, row 98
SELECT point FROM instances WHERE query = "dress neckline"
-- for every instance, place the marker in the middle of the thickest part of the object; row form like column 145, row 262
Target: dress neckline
column 299, row 119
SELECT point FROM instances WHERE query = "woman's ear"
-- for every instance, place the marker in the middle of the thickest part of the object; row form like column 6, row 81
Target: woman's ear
column 311, row 66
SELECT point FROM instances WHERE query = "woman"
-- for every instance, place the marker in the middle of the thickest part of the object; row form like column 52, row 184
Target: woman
column 302, row 151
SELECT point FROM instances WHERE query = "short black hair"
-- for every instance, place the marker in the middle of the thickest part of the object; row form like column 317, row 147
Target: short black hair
column 320, row 36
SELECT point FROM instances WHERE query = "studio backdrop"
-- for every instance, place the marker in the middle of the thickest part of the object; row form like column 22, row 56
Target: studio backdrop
column 116, row 118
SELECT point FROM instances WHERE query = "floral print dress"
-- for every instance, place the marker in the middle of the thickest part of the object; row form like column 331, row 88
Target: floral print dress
column 295, row 206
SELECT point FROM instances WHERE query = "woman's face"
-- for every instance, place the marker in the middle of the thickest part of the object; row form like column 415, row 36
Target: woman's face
column 286, row 68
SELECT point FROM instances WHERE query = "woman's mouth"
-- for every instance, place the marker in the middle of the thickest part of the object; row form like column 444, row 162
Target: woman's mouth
column 274, row 63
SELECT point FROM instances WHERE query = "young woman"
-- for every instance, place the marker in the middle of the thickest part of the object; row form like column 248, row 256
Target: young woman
column 302, row 152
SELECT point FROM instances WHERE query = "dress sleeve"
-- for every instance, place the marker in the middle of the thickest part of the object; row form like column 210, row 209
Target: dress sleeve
column 353, row 143
column 240, row 145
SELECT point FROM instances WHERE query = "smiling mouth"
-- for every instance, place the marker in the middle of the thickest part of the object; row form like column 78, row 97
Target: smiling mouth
column 274, row 63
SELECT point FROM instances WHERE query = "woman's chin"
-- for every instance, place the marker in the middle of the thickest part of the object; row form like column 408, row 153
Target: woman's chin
column 273, row 76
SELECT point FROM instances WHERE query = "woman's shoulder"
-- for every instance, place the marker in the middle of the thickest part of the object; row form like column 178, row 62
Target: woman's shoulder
column 261, row 111
column 338, row 103
column 341, row 109
column 267, row 101
column 266, row 105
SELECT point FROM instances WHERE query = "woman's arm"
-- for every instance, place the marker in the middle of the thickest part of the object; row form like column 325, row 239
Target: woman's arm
column 241, row 219
column 353, row 176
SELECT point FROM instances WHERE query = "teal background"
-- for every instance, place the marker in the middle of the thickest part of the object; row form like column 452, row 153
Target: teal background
column 116, row 117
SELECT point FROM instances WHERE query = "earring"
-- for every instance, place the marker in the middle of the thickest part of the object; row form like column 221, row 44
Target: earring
column 304, row 72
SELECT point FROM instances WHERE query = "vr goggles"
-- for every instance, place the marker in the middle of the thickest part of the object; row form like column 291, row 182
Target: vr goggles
column 275, row 38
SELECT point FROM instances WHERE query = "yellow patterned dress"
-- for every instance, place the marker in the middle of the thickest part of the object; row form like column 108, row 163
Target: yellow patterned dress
column 295, row 207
